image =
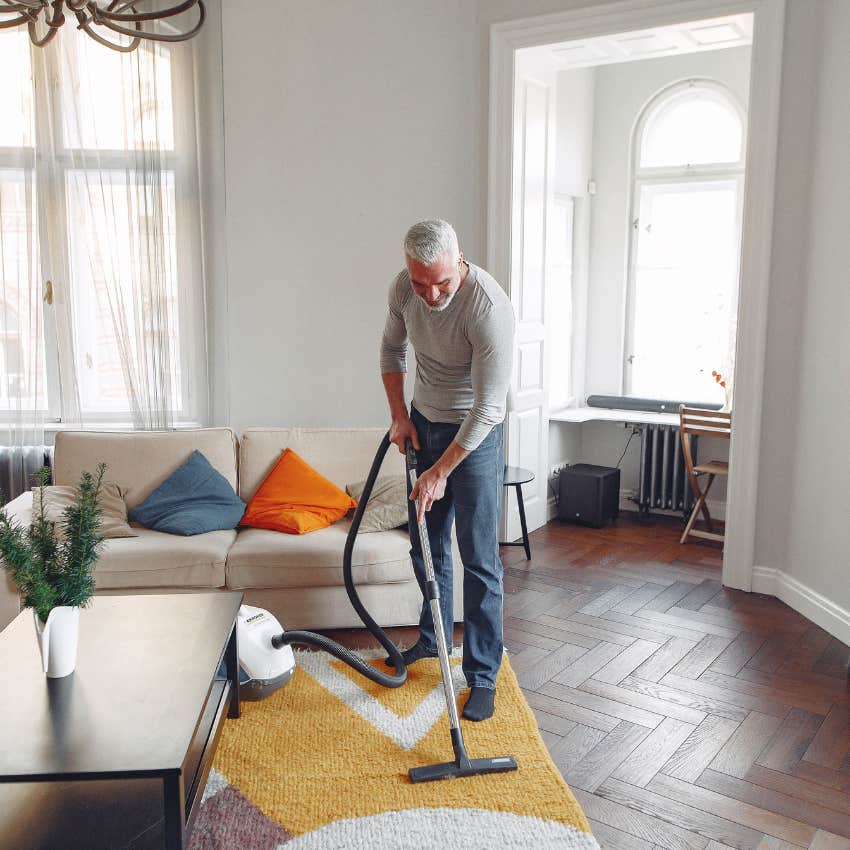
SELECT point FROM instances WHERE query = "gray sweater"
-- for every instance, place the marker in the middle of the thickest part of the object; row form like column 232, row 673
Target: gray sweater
column 463, row 353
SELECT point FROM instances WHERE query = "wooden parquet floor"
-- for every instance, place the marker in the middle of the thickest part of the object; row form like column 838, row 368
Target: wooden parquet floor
column 683, row 715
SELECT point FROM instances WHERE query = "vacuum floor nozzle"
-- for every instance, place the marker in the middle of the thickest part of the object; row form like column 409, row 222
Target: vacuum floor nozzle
column 466, row 767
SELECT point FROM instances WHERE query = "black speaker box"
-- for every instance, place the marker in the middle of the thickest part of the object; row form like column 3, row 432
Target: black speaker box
column 589, row 494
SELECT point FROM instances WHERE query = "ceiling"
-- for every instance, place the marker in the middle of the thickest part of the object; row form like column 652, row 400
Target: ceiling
column 677, row 39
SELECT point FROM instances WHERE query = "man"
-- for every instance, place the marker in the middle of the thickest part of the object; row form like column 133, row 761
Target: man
column 461, row 325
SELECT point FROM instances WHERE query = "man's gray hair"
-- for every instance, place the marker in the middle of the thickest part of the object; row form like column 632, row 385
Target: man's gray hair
column 430, row 240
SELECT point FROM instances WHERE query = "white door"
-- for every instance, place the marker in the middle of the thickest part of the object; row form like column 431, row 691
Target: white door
column 527, row 436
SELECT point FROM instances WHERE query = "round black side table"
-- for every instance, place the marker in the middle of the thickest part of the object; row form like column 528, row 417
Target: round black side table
column 516, row 476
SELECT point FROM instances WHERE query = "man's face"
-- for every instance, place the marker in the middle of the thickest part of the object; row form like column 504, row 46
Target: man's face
column 436, row 284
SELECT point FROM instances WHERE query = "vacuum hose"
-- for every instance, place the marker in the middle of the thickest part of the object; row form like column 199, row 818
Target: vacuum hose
column 341, row 652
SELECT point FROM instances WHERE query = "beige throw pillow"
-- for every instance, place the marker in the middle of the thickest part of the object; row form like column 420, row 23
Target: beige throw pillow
column 113, row 516
column 387, row 506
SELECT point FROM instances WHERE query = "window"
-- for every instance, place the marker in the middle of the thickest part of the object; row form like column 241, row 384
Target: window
column 102, row 220
column 685, row 241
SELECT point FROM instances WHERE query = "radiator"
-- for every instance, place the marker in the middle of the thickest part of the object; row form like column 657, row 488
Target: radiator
column 663, row 477
column 18, row 465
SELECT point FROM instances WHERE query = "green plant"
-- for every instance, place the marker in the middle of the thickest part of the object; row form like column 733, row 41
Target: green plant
column 50, row 569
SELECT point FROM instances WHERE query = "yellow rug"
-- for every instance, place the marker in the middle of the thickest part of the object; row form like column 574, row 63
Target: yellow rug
column 322, row 764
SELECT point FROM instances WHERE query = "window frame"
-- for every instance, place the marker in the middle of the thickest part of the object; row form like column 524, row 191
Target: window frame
column 55, row 263
column 640, row 176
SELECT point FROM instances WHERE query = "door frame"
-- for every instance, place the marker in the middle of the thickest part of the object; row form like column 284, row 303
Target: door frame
column 527, row 420
column 765, row 79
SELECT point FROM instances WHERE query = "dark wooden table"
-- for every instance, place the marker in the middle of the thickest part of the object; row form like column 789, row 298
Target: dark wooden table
column 116, row 754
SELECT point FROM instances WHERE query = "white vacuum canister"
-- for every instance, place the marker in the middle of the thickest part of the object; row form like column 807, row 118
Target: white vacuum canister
column 263, row 669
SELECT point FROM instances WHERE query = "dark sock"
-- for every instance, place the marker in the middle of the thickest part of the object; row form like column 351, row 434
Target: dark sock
column 413, row 654
column 480, row 703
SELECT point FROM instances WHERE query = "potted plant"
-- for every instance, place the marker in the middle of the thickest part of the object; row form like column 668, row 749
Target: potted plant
column 726, row 385
column 52, row 567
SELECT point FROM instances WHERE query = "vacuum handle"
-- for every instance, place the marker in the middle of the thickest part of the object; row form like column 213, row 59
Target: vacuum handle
column 410, row 454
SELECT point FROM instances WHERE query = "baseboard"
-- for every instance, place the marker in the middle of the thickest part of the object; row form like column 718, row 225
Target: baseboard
column 820, row 610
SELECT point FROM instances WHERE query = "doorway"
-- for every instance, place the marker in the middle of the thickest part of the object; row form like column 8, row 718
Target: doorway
column 568, row 347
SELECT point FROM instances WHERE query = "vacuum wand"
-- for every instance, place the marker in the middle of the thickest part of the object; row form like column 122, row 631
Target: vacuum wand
column 462, row 765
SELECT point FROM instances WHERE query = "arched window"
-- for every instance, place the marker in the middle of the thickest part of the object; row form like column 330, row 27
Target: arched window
column 685, row 228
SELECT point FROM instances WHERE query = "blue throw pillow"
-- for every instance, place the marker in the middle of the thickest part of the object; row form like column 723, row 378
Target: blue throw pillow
column 194, row 499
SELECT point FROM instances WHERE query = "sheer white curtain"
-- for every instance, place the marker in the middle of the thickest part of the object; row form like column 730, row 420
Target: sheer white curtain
column 23, row 374
column 123, row 164
column 99, row 197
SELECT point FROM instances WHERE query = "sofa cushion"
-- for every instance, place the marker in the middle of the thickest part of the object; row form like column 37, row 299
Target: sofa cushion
column 153, row 559
column 113, row 511
column 139, row 461
column 340, row 454
column 296, row 499
column 261, row 558
column 194, row 499
column 387, row 505
column 156, row 559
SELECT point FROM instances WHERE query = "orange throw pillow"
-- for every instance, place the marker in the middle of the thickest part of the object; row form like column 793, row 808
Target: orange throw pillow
column 295, row 499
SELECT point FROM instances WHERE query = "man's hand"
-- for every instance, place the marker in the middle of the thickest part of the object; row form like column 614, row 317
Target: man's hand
column 400, row 430
column 430, row 487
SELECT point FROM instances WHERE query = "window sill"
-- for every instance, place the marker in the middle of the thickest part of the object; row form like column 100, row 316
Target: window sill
column 54, row 427
column 607, row 414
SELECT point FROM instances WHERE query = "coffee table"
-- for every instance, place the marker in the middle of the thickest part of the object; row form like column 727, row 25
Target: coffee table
column 117, row 754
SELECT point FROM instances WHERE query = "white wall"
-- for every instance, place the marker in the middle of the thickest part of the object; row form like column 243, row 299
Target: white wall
column 574, row 144
column 210, row 129
column 347, row 120
column 790, row 241
column 818, row 551
column 574, row 139
column 573, row 170
column 335, row 145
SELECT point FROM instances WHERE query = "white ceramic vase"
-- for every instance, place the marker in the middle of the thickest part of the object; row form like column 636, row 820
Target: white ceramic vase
column 57, row 640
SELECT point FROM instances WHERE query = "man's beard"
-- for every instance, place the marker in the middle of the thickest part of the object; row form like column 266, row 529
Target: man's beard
column 438, row 308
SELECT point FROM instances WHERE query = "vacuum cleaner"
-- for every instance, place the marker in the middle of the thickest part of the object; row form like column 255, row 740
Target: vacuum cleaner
column 462, row 764
column 262, row 670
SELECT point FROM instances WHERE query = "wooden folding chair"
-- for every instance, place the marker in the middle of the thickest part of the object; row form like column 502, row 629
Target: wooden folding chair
column 708, row 423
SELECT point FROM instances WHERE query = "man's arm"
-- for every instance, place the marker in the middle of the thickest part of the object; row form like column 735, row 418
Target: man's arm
column 401, row 427
column 393, row 369
column 491, row 337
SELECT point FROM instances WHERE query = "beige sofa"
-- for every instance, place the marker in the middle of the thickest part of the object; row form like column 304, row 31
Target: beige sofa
column 296, row 577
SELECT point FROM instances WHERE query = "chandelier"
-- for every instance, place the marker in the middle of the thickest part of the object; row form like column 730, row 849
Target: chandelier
column 117, row 18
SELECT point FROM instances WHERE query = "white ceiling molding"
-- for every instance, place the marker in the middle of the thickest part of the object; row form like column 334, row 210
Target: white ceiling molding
column 691, row 37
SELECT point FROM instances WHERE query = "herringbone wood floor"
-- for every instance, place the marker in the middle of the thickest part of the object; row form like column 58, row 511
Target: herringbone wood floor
column 683, row 715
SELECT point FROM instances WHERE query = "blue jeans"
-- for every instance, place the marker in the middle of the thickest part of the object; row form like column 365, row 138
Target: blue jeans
column 473, row 499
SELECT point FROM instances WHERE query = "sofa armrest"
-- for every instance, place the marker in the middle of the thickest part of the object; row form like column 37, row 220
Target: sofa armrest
column 10, row 601
column 19, row 510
